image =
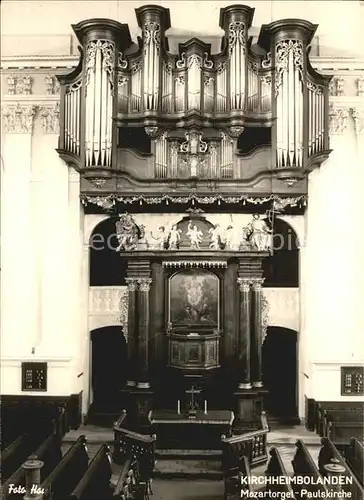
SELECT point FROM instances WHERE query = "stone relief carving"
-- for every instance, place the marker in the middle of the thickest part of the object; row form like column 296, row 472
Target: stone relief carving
column 265, row 315
column 18, row 119
column 337, row 87
column 19, row 85
column 51, row 84
column 50, row 119
column 337, row 120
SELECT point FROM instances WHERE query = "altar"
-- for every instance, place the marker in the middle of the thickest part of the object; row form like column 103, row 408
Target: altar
column 203, row 431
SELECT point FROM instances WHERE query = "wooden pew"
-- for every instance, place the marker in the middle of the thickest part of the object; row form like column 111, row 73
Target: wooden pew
column 13, row 456
column 303, row 465
column 328, row 453
column 276, row 469
column 354, row 455
column 64, row 478
column 95, row 484
column 49, row 452
column 339, row 421
column 129, row 483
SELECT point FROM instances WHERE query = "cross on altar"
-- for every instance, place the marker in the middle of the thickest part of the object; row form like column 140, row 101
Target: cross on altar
column 193, row 405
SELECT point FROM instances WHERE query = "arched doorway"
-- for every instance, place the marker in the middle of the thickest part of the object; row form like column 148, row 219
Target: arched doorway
column 280, row 373
column 108, row 374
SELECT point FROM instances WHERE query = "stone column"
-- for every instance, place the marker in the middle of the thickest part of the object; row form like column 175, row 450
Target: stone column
column 257, row 332
column 132, row 284
column 244, row 333
column 143, row 329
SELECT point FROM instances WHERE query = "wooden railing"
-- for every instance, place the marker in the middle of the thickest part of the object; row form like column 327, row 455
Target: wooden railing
column 252, row 445
column 135, row 446
column 129, row 484
column 330, row 454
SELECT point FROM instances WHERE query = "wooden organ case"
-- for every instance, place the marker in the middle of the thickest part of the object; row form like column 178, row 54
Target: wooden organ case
column 192, row 110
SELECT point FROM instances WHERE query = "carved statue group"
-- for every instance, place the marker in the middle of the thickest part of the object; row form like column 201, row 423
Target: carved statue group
column 255, row 236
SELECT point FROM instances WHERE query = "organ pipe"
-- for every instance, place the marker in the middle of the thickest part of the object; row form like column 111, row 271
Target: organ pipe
column 100, row 64
column 235, row 88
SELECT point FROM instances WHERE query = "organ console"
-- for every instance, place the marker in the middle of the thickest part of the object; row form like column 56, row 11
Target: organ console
column 194, row 105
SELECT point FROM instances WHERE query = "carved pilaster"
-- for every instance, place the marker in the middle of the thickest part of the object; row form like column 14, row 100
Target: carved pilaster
column 358, row 117
column 18, row 119
column 337, row 87
column 50, row 119
column 244, row 344
column 257, row 332
column 143, row 329
column 338, row 118
column 132, row 284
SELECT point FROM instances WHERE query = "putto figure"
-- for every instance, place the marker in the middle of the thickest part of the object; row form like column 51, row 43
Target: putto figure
column 258, row 234
column 174, row 238
column 160, row 240
column 216, row 242
column 195, row 235
column 127, row 233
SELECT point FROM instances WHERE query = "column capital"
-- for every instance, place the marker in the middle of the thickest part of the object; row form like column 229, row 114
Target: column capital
column 244, row 284
column 144, row 284
column 257, row 284
column 338, row 119
column 132, row 284
column 19, row 119
column 50, row 119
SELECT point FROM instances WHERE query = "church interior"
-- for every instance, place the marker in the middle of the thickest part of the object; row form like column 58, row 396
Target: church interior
column 181, row 253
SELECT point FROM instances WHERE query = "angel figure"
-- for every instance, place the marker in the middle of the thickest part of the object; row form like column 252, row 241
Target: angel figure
column 259, row 233
column 126, row 232
column 215, row 238
column 195, row 235
column 174, row 238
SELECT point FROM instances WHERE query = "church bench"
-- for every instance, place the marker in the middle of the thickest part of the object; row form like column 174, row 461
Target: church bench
column 338, row 411
column 95, row 483
column 49, row 452
column 328, row 454
column 13, row 456
column 129, row 483
column 65, row 477
column 276, row 469
column 354, row 455
column 303, row 465
column 341, row 425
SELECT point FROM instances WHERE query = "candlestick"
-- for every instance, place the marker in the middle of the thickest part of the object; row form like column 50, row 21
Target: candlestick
column 179, row 407
column 205, row 407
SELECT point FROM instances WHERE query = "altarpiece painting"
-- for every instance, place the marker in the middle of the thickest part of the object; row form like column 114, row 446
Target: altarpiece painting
column 194, row 299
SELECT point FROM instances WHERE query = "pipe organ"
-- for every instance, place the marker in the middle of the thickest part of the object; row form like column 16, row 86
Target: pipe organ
column 179, row 98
